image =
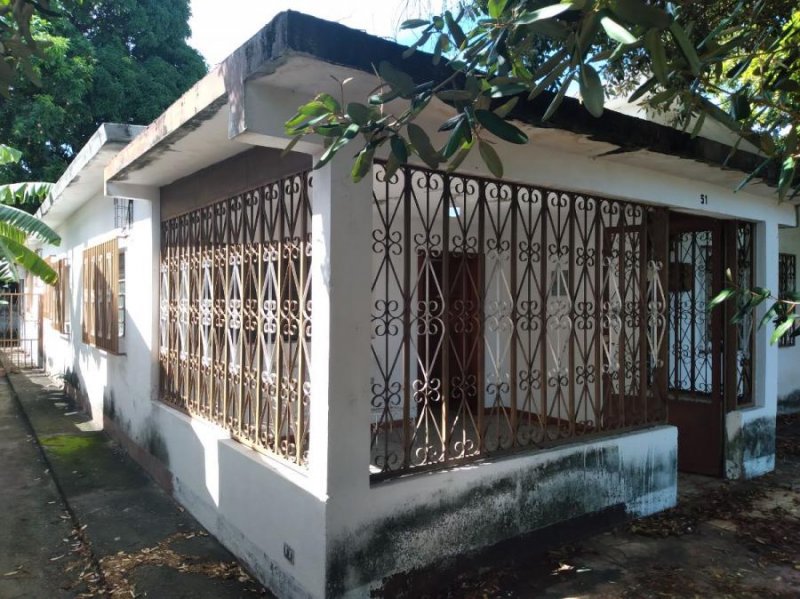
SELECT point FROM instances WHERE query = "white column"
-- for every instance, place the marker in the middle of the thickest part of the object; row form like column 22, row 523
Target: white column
column 766, row 383
column 340, row 346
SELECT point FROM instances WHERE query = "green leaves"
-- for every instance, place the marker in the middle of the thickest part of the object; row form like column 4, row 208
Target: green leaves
column 461, row 134
column 501, row 128
column 490, row 158
column 740, row 106
column 363, row 163
column 9, row 155
column 641, row 13
column 721, row 297
column 496, row 8
column 28, row 224
column 339, row 143
column 548, row 12
column 30, row 192
column 592, row 90
column 617, row 32
column 15, row 253
column 422, row 145
column 786, row 177
column 783, row 327
column 686, row 46
column 358, row 113
column 400, row 82
column 414, row 24
column 658, row 55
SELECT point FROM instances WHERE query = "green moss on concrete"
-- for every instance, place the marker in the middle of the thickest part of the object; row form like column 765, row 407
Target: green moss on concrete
column 83, row 461
column 66, row 446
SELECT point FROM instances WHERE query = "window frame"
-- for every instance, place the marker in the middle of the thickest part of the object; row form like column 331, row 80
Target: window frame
column 100, row 287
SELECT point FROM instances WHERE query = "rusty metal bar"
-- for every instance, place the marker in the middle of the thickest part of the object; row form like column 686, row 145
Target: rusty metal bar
column 574, row 284
column 230, row 248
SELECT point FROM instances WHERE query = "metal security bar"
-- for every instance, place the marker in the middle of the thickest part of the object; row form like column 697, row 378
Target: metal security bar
column 787, row 273
column 509, row 316
column 235, row 315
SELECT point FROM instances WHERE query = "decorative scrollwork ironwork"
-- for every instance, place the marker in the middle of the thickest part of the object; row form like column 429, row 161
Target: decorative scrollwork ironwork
column 507, row 316
column 235, row 315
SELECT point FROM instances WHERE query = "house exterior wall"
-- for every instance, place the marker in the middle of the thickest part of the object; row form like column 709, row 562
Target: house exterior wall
column 117, row 386
column 420, row 517
column 254, row 503
column 789, row 357
column 346, row 532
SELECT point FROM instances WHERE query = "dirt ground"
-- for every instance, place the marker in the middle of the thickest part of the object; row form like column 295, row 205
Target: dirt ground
column 725, row 539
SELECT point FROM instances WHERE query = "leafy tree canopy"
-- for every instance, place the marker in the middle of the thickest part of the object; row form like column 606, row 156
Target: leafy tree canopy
column 104, row 61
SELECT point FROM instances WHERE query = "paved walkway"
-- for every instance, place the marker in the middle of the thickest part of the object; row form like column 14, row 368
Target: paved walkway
column 78, row 518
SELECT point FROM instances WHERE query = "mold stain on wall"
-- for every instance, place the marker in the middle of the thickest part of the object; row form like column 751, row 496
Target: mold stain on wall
column 494, row 510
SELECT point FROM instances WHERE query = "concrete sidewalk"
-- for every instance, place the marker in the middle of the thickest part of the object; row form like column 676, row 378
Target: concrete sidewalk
column 78, row 518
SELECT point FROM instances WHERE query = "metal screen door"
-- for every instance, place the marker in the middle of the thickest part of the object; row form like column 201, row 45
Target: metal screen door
column 695, row 346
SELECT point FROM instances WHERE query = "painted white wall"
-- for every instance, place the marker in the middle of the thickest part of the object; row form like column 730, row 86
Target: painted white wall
column 107, row 379
column 789, row 357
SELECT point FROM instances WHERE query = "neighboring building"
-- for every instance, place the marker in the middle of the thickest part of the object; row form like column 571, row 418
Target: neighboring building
column 344, row 382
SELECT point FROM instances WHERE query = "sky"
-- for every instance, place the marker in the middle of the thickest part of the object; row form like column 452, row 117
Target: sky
column 218, row 28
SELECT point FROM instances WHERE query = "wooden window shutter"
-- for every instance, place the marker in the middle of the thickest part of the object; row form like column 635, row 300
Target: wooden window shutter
column 100, row 284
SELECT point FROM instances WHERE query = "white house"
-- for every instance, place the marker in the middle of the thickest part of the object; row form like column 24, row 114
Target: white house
column 344, row 382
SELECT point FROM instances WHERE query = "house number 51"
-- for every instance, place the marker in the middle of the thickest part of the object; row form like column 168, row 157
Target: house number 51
column 703, row 199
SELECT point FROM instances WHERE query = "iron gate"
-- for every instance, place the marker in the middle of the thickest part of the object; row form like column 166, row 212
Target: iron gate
column 21, row 329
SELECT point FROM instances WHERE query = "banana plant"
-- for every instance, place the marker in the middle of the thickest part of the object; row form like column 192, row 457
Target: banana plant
column 17, row 227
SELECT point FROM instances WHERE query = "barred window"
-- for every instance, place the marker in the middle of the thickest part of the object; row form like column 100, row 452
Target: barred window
column 235, row 315
column 786, row 285
column 101, row 286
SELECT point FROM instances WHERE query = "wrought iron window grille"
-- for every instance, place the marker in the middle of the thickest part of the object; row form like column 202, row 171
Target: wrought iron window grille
column 235, row 315
column 509, row 317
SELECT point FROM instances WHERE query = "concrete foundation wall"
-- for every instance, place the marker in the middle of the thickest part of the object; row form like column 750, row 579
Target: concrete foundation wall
column 414, row 522
column 252, row 503
column 749, row 443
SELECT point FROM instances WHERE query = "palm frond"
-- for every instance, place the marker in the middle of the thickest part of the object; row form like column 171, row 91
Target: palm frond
column 17, row 254
column 24, row 193
column 28, row 224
